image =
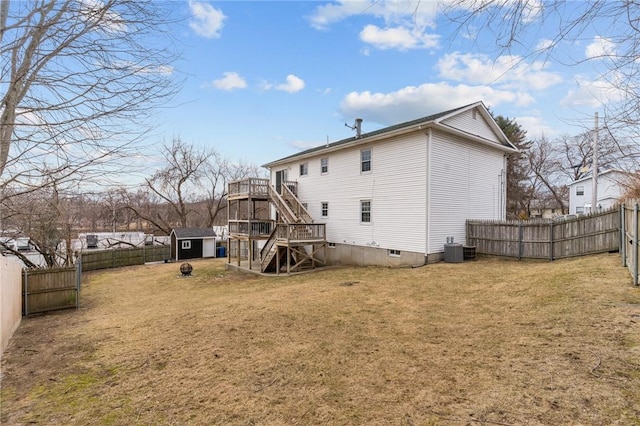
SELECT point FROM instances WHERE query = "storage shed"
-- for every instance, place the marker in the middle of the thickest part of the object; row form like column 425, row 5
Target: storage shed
column 192, row 243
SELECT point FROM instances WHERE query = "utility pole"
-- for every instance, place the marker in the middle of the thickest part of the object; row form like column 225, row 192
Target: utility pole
column 594, row 167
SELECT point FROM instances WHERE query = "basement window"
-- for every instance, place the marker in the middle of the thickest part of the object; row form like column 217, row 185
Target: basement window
column 394, row 253
column 331, row 245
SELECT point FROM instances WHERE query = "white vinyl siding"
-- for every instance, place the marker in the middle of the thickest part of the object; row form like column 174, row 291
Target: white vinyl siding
column 467, row 182
column 475, row 126
column 395, row 186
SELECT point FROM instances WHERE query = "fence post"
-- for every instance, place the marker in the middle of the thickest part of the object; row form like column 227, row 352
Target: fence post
column 26, row 292
column 551, row 241
column 623, row 234
column 635, row 245
column 78, row 282
column 520, row 248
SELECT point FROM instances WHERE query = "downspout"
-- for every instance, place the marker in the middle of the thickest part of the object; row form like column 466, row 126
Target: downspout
column 428, row 193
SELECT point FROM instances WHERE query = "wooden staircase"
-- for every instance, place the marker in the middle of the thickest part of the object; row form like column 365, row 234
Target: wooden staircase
column 296, row 226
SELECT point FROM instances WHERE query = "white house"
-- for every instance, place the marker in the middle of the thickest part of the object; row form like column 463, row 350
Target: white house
column 394, row 196
column 610, row 188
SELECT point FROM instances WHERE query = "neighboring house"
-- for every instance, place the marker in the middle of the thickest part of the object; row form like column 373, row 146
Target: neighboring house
column 394, row 196
column 545, row 209
column 192, row 243
column 609, row 190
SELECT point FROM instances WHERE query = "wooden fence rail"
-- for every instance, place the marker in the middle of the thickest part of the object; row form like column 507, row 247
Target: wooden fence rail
column 630, row 218
column 546, row 239
column 92, row 260
column 45, row 290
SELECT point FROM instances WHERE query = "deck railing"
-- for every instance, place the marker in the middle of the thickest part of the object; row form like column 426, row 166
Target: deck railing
column 252, row 228
column 250, row 186
column 301, row 231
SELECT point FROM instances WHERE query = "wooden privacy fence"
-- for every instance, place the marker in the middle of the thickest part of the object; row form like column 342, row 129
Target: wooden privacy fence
column 629, row 213
column 546, row 239
column 115, row 258
column 45, row 290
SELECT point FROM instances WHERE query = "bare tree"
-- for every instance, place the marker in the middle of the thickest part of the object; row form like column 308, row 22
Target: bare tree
column 546, row 177
column 48, row 217
column 175, row 186
column 521, row 25
column 218, row 174
column 189, row 190
column 79, row 83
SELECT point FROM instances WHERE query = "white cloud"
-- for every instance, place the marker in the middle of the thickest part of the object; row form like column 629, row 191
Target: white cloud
column 600, row 48
column 404, row 26
column 207, row 21
column 293, row 84
column 420, row 14
column 398, row 38
column 544, row 44
column 230, row 81
column 413, row 102
column 536, row 127
column 506, row 71
column 593, row 94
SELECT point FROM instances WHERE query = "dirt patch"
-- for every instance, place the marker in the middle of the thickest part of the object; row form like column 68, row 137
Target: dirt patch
column 484, row 342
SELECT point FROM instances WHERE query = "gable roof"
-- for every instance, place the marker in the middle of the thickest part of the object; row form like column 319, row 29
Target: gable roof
column 182, row 233
column 589, row 176
column 434, row 120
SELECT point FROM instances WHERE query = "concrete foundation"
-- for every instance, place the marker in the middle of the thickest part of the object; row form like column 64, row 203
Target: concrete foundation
column 346, row 254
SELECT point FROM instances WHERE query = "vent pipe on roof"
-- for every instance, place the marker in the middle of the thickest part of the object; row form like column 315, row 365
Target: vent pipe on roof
column 357, row 126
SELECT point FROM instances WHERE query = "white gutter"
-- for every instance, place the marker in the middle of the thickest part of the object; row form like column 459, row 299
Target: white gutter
column 382, row 136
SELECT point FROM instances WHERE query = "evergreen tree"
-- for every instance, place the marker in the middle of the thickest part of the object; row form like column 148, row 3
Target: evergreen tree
column 519, row 192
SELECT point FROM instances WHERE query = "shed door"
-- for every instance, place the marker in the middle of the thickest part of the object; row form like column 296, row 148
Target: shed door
column 209, row 247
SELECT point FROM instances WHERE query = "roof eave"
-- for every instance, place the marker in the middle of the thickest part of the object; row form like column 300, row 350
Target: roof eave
column 477, row 138
column 358, row 141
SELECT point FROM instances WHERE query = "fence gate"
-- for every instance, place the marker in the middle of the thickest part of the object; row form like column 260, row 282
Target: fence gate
column 45, row 290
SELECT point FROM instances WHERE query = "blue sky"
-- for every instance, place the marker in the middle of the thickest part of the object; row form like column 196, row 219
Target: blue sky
column 265, row 79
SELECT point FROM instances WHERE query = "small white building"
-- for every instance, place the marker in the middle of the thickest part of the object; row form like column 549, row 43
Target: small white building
column 610, row 188
column 395, row 196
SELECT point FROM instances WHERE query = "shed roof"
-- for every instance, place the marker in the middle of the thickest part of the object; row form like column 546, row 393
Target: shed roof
column 181, row 233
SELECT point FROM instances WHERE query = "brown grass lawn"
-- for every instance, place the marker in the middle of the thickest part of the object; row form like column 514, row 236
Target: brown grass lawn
column 481, row 343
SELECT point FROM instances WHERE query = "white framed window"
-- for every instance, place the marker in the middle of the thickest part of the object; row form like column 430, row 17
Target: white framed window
column 579, row 209
column 394, row 253
column 579, row 190
column 304, row 169
column 324, row 165
column 324, row 208
column 365, row 211
column 365, row 160
column 186, row 245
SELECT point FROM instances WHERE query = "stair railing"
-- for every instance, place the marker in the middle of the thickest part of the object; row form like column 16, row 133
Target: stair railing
column 302, row 215
column 281, row 205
